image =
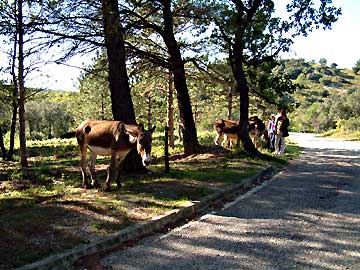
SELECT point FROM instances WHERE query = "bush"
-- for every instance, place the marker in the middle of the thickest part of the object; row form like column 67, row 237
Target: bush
column 353, row 124
column 314, row 77
column 36, row 136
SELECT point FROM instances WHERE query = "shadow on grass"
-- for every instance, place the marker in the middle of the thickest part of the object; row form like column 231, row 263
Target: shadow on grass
column 23, row 236
column 31, row 231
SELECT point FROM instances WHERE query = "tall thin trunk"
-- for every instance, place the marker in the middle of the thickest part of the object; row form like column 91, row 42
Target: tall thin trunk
column 170, row 110
column 121, row 102
column 230, row 104
column 102, row 107
column 2, row 146
column 21, row 88
column 13, row 126
column 50, row 131
column 15, row 102
column 195, row 111
column 149, row 114
column 191, row 144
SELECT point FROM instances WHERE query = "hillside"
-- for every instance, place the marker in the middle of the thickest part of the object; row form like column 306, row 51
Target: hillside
column 330, row 98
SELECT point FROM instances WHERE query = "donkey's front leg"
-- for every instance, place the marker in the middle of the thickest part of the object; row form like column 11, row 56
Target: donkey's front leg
column 217, row 138
column 112, row 170
column 83, row 164
column 120, row 167
column 94, row 181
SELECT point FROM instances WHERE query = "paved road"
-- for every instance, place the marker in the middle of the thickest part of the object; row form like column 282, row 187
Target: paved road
column 308, row 217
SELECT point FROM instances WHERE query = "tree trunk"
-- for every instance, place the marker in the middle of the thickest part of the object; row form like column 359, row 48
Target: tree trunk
column 10, row 155
column 21, row 89
column 243, row 133
column 241, row 83
column 191, row 144
column 121, row 102
column 102, row 107
column 31, row 128
column 15, row 102
column 50, row 130
column 149, row 114
column 2, row 146
column 230, row 103
column 170, row 111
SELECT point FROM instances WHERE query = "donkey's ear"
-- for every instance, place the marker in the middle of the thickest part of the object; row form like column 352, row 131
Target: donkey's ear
column 141, row 126
column 119, row 130
column 132, row 132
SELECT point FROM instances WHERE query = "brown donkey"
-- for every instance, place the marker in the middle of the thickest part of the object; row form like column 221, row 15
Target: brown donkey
column 229, row 129
column 110, row 138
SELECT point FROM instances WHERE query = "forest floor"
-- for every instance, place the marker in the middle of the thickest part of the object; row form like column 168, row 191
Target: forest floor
column 44, row 210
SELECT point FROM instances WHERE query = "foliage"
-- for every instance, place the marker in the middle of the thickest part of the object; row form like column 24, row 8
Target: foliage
column 149, row 91
column 5, row 107
column 326, row 103
column 94, row 98
column 356, row 68
column 47, row 119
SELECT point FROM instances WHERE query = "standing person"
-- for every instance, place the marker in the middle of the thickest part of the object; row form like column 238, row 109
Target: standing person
column 281, row 127
column 279, row 109
column 271, row 132
column 277, row 146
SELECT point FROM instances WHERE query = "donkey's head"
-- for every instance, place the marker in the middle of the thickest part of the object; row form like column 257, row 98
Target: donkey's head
column 143, row 140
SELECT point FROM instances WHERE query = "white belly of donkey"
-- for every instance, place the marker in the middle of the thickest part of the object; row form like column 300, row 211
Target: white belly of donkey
column 101, row 151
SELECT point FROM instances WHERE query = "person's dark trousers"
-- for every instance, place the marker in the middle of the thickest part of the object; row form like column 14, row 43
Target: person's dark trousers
column 272, row 142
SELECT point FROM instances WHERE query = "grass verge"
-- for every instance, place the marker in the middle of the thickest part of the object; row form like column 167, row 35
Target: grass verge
column 341, row 134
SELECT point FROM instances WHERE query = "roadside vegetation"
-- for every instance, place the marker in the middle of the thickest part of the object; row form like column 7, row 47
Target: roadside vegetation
column 343, row 134
column 329, row 100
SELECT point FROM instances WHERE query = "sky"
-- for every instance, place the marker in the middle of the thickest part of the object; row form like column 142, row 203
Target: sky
column 338, row 45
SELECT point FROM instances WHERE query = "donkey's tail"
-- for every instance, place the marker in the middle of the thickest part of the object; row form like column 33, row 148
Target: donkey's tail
column 68, row 135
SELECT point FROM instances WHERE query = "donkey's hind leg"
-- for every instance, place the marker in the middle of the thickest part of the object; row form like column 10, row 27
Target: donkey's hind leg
column 94, row 182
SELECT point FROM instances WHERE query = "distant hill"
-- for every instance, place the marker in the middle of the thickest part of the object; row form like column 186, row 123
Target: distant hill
column 330, row 99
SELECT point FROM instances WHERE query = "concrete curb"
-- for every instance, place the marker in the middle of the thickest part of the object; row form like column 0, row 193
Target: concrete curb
column 64, row 260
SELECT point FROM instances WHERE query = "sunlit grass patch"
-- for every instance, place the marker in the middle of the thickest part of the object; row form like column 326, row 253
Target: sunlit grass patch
column 342, row 134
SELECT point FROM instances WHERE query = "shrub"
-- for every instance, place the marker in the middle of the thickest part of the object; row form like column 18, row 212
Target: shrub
column 314, row 76
column 353, row 124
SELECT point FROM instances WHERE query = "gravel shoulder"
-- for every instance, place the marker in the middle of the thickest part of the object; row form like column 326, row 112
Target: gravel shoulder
column 307, row 217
